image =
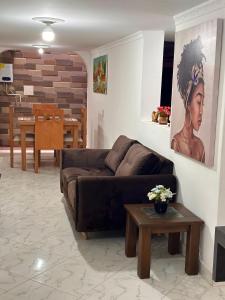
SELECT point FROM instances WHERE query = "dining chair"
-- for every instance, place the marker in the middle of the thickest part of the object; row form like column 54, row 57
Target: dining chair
column 14, row 132
column 82, row 142
column 68, row 137
column 48, row 131
column 43, row 106
column 67, row 112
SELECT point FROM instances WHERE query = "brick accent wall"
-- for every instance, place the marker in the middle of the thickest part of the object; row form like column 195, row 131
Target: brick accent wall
column 57, row 78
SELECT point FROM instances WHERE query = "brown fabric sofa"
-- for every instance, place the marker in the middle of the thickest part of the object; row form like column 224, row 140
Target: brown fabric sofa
column 97, row 182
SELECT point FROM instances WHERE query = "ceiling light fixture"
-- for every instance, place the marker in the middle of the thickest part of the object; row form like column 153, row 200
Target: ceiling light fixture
column 41, row 48
column 41, row 51
column 48, row 34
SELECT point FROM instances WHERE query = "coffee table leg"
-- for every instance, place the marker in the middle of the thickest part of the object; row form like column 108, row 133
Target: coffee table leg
column 192, row 250
column 174, row 243
column 131, row 237
column 144, row 252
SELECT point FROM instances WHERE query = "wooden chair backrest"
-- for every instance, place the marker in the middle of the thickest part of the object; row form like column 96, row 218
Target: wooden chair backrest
column 14, row 113
column 49, row 129
column 42, row 106
column 67, row 112
column 83, row 112
column 11, row 123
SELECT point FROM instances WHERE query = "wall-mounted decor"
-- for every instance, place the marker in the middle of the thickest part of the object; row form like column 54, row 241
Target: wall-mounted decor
column 100, row 74
column 195, row 91
column 6, row 72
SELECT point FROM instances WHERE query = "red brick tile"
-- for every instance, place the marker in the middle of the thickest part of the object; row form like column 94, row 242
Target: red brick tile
column 35, row 61
column 49, row 73
column 20, row 61
column 60, row 68
column 45, row 67
column 16, row 67
column 64, row 62
column 81, row 79
column 49, row 61
column 76, row 85
column 30, row 66
column 61, row 84
column 31, row 54
column 47, row 83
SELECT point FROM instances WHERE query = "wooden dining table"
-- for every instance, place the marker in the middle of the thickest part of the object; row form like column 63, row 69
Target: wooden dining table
column 27, row 125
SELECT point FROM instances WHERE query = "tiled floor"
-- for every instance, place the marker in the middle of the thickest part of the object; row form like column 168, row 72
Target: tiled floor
column 41, row 258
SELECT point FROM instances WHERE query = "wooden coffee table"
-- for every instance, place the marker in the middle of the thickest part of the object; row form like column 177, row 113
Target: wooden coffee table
column 176, row 220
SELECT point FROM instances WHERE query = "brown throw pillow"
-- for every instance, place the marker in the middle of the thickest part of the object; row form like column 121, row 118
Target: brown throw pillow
column 139, row 160
column 118, row 151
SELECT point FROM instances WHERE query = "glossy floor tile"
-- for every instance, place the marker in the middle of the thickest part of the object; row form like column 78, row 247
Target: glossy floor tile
column 9, row 280
column 31, row 290
column 29, row 261
column 42, row 259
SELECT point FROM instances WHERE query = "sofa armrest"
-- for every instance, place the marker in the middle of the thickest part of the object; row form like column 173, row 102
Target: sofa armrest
column 88, row 158
column 101, row 200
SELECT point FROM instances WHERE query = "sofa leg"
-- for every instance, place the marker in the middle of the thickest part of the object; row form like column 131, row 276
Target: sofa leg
column 84, row 235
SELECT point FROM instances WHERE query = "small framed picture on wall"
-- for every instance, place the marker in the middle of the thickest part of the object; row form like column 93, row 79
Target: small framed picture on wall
column 100, row 74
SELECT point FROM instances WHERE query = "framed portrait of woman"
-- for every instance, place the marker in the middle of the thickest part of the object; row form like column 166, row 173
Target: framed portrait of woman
column 195, row 91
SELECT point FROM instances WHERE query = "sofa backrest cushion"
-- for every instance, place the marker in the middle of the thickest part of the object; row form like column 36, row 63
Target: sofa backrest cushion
column 138, row 160
column 166, row 165
column 118, row 151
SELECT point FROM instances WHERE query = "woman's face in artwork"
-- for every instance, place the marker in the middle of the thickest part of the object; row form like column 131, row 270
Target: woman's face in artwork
column 195, row 107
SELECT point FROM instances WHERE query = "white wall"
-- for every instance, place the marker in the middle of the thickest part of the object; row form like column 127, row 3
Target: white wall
column 119, row 112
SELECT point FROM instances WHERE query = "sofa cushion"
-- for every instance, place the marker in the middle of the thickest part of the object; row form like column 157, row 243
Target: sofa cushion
column 118, row 151
column 165, row 165
column 139, row 160
column 72, row 189
column 72, row 173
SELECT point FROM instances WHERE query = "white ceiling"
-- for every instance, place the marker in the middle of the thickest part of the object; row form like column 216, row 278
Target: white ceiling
column 89, row 23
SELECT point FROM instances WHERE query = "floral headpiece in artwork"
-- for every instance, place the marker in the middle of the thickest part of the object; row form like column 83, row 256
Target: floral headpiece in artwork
column 196, row 77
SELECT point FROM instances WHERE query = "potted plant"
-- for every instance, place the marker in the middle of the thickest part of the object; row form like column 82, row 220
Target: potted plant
column 163, row 114
column 155, row 116
column 160, row 195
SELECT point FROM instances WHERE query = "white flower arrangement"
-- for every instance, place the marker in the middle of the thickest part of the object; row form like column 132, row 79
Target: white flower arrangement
column 160, row 193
